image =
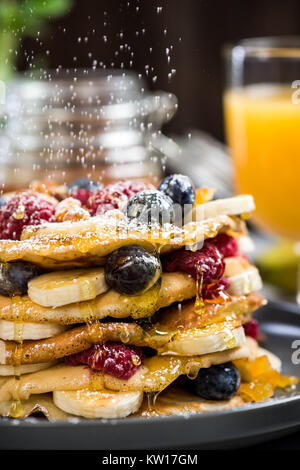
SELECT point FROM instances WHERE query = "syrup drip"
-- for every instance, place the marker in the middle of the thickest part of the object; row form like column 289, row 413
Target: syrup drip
column 222, row 298
column 199, row 306
column 143, row 305
column 149, row 409
column 16, row 409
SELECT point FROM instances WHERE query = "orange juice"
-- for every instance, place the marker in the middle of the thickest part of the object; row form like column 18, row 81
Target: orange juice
column 263, row 133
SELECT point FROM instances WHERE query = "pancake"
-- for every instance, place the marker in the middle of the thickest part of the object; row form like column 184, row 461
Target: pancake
column 175, row 287
column 66, row 245
column 178, row 401
column 170, row 325
column 36, row 404
column 155, row 374
column 173, row 401
column 183, row 315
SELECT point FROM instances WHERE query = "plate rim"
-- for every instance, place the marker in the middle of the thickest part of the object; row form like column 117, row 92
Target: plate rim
column 246, row 408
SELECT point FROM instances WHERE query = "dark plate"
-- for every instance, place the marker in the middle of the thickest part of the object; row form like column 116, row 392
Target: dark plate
column 241, row 426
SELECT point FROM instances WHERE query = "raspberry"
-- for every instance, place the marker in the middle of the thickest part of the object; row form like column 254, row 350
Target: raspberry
column 226, row 245
column 251, row 328
column 104, row 201
column 114, row 196
column 127, row 188
column 82, row 195
column 22, row 210
column 83, row 188
column 208, row 262
column 215, row 290
column 114, row 358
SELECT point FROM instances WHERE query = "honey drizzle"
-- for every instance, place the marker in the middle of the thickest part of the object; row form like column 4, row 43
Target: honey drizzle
column 151, row 401
column 16, row 408
column 199, row 305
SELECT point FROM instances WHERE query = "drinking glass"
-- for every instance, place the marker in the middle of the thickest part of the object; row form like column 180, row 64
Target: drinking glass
column 262, row 120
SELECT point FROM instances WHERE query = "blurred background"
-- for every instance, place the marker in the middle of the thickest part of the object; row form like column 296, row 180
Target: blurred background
column 175, row 44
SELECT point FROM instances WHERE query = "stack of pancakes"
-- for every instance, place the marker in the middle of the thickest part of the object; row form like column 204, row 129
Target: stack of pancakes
column 71, row 308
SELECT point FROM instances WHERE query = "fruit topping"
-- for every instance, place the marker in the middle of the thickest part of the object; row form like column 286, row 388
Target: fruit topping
column 85, row 183
column 207, row 262
column 179, row 188
column 70, row 209
column 151, row 206
column 260, row 380
column 116, row 359
column 74, row 215
column 204, row 195
column 132, row 270
column 83, row 188
column 127, row 188
column 14, row 277
column 226, row 245
column 63, row 207
column 81, row 194
column 252, row 329
column 103, row 201
column 216, row 290
column 113, row 196
column 21, row 210
column 219, row 382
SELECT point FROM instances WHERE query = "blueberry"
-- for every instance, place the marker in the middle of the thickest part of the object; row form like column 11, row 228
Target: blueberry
column 14, row 277
column 151, row 206
column 219, row 382
column 84, row 183
column 2, row 201
column 179, row 188
column 132, row 270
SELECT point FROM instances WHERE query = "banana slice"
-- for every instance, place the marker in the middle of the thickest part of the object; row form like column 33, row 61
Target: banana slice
column 24, row 368
column 66, row 287
column 230, row 206
column 195, row 343
column 245, row 244
column 93, row 404
column 243, row 277
column 9, row 330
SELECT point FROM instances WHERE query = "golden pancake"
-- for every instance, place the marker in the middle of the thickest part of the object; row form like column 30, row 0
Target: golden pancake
column 170, row 325
column 66, row 245
column 175, row 287
column 183, row 315
column 155, row 374
column 36, row 404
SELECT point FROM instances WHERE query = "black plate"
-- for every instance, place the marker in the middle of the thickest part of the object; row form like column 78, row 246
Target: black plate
column 241, row 426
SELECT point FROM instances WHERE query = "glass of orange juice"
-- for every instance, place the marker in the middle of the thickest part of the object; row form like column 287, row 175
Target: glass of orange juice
column 262, row 119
